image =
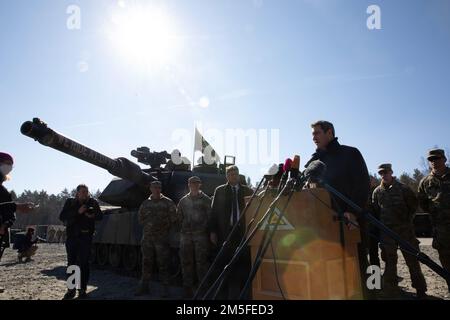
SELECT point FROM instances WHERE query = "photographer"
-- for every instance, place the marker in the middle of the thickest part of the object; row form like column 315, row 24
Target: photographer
column 79, row 215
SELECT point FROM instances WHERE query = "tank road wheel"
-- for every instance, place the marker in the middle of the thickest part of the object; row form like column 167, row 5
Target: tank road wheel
column 51, row 236
column 58, row 236
column 115, row 251
column 63, row 237
column 102, row 254
column 130, row 258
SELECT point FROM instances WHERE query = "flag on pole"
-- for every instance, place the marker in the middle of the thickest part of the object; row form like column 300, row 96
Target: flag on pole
column 209, row 154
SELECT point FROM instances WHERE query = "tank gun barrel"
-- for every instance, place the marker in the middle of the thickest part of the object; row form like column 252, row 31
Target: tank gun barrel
column 121, row 167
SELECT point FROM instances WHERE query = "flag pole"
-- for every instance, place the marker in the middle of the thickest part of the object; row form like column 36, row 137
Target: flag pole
column 193, row 151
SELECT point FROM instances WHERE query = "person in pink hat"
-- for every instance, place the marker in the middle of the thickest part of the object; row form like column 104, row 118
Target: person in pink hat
column 7, row 206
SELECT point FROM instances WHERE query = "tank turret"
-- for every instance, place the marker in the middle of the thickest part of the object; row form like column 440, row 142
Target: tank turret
column 129, row 191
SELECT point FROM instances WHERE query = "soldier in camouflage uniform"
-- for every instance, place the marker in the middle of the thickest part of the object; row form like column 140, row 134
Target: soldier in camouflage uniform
column 396, row 205
column 373, row 233
column 434, row 198
column 156, row 214
column 193, row 212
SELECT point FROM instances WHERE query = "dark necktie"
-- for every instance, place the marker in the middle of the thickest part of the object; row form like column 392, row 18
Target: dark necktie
column 234, row 210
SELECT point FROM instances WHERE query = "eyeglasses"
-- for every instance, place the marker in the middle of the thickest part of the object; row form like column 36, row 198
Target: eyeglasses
column 434, row 159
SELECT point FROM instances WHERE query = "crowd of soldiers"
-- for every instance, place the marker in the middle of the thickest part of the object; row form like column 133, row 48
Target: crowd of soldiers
column 202, row 227
column 395, row 204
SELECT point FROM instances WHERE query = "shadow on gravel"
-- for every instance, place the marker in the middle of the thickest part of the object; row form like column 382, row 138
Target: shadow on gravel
column 110, row 286
column 57, row 272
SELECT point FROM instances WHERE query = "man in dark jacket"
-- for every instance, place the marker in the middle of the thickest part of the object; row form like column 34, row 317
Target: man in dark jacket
column 228, row 203
column 346, row 171
column 7, row 206
column 79, row 215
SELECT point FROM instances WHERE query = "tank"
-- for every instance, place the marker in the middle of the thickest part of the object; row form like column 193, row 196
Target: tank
column 118, row 234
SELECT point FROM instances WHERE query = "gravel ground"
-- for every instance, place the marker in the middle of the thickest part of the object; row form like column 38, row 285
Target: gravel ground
column 44, row 278
column 437, row 287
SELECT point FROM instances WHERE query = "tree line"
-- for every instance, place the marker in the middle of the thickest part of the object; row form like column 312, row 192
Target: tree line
column 50, row 206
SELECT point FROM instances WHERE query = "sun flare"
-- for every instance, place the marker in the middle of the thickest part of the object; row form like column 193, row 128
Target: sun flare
column 143, row 35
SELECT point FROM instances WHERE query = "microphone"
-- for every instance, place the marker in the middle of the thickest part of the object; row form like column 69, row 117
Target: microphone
column 273, row 170
column 295, row 167
column 315, row 171
column 286, row 168
column 287, row 165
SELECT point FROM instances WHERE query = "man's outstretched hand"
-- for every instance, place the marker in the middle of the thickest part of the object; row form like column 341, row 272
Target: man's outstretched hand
column 25, row 207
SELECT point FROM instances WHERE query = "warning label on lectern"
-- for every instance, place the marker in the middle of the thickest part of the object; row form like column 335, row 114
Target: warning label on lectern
column 283, row 225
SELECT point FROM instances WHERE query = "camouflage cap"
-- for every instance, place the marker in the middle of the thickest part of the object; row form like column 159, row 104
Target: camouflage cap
column 384, row 167
column 194, row 179
column 436, row 153
column 156, row 183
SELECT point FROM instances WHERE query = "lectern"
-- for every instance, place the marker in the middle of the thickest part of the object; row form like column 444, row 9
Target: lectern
column 308, row 260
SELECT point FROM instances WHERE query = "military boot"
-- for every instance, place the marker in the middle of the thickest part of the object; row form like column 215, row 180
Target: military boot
column 142, row 289
column 82, row 294
column 70, row 294
column 422, row 294
column 392, row 292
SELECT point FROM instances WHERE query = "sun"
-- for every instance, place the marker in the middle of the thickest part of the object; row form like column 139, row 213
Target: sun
column 143, row 35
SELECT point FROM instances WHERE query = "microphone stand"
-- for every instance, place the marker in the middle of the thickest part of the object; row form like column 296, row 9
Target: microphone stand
column 225, row 272
column 226, row 242
column 266, row 243
column 404, row 245
column 341, row 219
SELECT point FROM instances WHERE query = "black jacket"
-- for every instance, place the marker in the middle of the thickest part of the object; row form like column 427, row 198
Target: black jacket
column 346, row 172
column 78, row 224
column 7, row 207
column 221, row 209
column 23, row 242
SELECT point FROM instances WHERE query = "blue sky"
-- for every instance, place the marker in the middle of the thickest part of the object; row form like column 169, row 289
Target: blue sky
column 259, row 65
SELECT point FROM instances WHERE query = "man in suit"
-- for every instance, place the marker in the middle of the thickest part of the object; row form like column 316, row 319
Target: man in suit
column 228, row 204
